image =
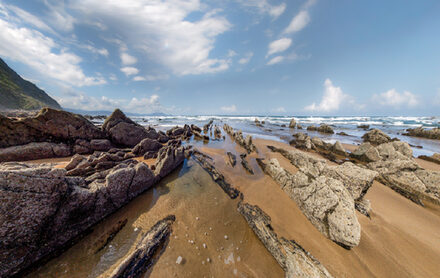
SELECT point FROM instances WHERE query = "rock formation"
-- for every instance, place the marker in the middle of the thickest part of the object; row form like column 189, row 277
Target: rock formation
column 433, row 133
column 238, row 137
column 43, row 208
column 292, row 123
column 323, row 128
column 376, row 137
column 293, row 259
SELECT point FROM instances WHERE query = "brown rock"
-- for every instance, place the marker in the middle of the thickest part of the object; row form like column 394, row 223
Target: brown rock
column 147, row 145
column 376, row 137
column 33, row 151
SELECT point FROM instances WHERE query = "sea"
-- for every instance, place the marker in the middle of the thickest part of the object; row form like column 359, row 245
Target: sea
column 276, row 127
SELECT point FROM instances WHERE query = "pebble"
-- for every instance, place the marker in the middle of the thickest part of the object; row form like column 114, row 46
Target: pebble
column 136, row 229
column 226, row 237
column 210, row 228
column 208, row 260
column 197, row 218
column 179, row 260
column 204, row 245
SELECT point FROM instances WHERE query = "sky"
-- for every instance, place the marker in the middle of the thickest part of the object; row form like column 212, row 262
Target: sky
column 233, row 57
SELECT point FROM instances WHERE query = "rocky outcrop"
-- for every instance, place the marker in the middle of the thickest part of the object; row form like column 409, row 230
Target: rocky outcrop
column 147, row 250
column 43, row 209
column 217, row 177
column 125, row 132
column 49, row 125
column 324, row 201
column 33, row 151
column 323, row 128
column 433, row 133
column 245, row 164
column 207, row 126
column 147, row 145
column 302, row 141
column 238, row 137
column 232, row 159
column 293, row 259
column 376, row 137
column 292, row 123
column 433, row 158
column 387, row 151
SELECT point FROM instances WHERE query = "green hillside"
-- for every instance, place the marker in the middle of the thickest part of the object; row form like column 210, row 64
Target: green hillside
column 17, row 93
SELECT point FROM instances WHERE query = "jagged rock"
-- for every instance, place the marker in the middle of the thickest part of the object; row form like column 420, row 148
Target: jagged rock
column 196, row 128
column 293, row 259
column 366, row 153
column 82, row 146
column 49, row 125
column 394, row 150
column 245, row 164
column 324, row 201
column 74, row 161
column 433, row 133
column 363, row 206
column 197, row 135
column 338, row 149
column 323, row 128
column 364, row 127
column 302, row 141
column 207, row 126
column 146, row 145
column 143, row 257
column 376, row 137
column 292, row 123
column 238, row 137
column 232, row 159
column 217, row 133
column 123, row 131
column 175, row 132
column 433, row 158
column 342, row 133
column 42, row 209
column 33, row 151
column 168, row 159
column 318, row 143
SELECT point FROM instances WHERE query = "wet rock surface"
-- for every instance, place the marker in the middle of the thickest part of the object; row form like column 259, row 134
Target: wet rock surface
column 295, row 261
column 245, row 164
column 376, row 137
column 433, row 158
column 143, row 257
column 323, row 128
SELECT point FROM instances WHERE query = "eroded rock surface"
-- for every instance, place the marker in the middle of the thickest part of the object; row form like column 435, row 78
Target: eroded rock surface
column 323, row 128
column 376, row 137
column 43, row 208
column 143, row 257
column 295, row 261
column 433, row 133
column 238, row 137
column 33, row 151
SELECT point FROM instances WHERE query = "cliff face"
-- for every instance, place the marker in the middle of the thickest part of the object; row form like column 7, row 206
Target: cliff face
column 17, row 93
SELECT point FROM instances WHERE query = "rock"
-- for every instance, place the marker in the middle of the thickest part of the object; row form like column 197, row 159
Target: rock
column 376, row 137
column 433, row 133
column 363, row 206
column 217, row 133
column 42, row 209
column 82, row 146
column 245, row 164
column 302, row 141
column 292, row 123
column 323, row 128
column 146, row 145
column 342, row 133
column 49, row 125
column 168, row 159
column 100, row 145
column 125, row 132
column 324, row 201
column 74, row 161
column 434, row 158
column 293, row 259
column 238, row 137
column 364, row 127
column 366, row 153
column 232, row 159
column 34, row 151
column 197, row 135
column 395, row 150
column 298, row 126
column 147, row 251
column 207, row 126
column 196, row 128
column 338, row 149
column 203, row 160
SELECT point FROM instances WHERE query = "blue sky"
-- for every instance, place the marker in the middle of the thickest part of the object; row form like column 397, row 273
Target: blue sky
column 304, row 57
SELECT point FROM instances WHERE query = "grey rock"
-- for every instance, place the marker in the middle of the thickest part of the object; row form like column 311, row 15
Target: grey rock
column 292, row 123
column 366, row 153
column 147, row 145
column 376, row 137
column 238, row 137
column 100, row 145
column 33, row 151
column 433, row 133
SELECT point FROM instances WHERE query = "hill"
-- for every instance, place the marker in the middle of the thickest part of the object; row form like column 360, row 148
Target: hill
column 17, row 93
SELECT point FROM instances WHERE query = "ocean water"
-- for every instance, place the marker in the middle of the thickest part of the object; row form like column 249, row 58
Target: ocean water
column 272, row 129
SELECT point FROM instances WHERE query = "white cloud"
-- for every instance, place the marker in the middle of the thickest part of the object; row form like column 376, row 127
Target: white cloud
column 154, row 77
column 331, row 100
column 162, row 31
column 263, row 6
column 139, row 78
column 298, row 22
column 59, row 18
column 231, row 53
column 113, row 77
column 246, row 59
column 275, row 60
column 79, row 100
column 395, row 99
column 229, row 109
column 129, row 71
column 101, row 51
column 127, row 59
column 30, row 19
column 279, row 46
column 43, row 54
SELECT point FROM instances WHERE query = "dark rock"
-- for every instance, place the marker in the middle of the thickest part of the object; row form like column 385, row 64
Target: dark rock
column 245, row 164
column 301, row 141
column 364, row 127
column 292, row 123
column 207, row 126
column 433, row 133
column 323, row 128
column 232, row 159
column 82, row 146
column 196, row 128
column 293, row 259
column 376, row 137
column 146, row 145
column 100, row 145
column 49, row 125
column 33, row 151
column 238, row 137
column 434, row 158
column 342, row 133
column 147, row 250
